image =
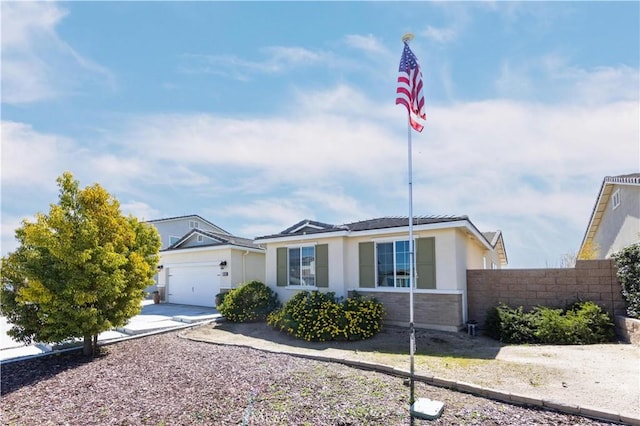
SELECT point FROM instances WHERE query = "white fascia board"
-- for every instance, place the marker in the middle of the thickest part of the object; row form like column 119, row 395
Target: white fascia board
column 428, row 227
column 212, row 248
column 300, row 238
column 597, row 211
column 379, row 232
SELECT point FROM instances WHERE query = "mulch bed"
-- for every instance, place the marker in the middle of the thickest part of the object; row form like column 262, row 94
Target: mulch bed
column 169, row 380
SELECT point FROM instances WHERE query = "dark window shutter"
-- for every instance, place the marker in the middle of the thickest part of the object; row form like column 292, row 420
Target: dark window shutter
column 367, row 263
column 322, row 265
column 281, row 262
column 426, row 263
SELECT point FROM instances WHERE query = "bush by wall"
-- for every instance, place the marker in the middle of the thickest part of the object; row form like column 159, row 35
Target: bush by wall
column 578, row 324
column 320, row 316
column 628, row 263
column 252, row 301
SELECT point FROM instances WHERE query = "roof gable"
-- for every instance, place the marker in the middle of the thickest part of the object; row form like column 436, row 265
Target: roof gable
column 210, row 239
column 600, row 206
column 189, row 217
column 307, row 226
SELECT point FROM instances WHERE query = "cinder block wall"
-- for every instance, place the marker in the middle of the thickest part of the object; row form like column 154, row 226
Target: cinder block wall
column 431, row 311
column 593, row 280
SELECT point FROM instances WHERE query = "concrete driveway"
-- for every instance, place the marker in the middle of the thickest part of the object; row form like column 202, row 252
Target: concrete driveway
column 153, row 318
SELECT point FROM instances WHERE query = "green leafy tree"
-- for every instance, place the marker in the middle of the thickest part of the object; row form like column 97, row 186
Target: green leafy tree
column 628, row 263
column 78, row 271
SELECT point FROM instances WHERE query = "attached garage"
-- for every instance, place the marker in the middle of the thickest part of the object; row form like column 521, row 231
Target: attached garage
column 193, row 285
column 203, row 264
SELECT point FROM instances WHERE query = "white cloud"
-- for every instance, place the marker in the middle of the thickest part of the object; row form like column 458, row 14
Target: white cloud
column 530, row 169
column 9, row 225
column 458, row 20
column 139, row 209
column 29, row 157
column 553, row 77
column 37, row 64
column 277, row 59
column 367, row 43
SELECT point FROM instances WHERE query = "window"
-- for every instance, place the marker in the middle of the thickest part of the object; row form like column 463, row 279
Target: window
column 302, row 266
column 386, row 264
column 173, row 239
column 194, row 224
column 392, row 259
column 200, row 238
column 615, row 199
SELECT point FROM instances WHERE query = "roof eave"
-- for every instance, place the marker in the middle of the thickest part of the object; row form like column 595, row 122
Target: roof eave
column 594, row 219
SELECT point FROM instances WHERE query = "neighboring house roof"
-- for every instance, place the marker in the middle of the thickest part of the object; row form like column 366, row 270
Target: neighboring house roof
column 305, row 227
column 603, row 199
column 190, row 216
column 214, row 239
column 497, row 242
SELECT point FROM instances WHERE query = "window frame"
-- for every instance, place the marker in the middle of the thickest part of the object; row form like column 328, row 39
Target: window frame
column 396, row 277
column 311, row 267
column 616, row 199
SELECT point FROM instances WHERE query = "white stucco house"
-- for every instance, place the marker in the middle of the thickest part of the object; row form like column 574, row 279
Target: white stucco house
column 372, row 257
column 615, row 220
column 198, row 260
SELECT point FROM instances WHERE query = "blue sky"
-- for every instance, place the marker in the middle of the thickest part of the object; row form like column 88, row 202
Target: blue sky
column 256, row 115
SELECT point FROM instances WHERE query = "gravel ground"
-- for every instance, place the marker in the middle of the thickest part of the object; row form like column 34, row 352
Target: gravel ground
column 169, row 380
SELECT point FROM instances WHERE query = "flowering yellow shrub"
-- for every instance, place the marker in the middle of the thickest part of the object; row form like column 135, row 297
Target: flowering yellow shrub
column 320, row 317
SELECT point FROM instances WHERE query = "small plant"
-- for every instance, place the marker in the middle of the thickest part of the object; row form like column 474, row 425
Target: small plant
column 628, row 263
column 578, row 324
column 320, row 316
column 252, row 301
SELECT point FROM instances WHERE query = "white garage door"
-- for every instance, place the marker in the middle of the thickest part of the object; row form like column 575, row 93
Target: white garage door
column 193, row 285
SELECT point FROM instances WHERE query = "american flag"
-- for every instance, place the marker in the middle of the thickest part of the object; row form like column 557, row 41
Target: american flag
column 409, row 92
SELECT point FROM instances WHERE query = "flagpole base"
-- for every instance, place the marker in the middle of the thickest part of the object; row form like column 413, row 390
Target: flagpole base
column 427, row 409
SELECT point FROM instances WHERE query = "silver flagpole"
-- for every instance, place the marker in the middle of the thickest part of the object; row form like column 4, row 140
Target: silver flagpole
column 412, row 338
column 423, row 407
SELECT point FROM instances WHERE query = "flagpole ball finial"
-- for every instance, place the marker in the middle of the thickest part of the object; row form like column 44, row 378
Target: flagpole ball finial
column 407, row 37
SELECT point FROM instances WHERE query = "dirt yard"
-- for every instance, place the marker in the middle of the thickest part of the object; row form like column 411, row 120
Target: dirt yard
column 605, row 377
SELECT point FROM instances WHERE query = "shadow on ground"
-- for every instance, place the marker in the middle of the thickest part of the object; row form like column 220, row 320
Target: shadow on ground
column 18, row 374
column 391, row 340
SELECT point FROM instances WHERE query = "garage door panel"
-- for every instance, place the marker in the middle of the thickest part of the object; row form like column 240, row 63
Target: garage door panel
column 193, row 285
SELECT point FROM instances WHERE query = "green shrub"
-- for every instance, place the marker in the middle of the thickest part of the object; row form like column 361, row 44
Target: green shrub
column 510, row 325
column 252, row 301
column 320, row 317
column 578, row 324
column 628, row 263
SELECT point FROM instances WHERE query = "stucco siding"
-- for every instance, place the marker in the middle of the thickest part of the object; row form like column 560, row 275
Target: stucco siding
column 336, row 267
column 619, row 227
column 178, row 228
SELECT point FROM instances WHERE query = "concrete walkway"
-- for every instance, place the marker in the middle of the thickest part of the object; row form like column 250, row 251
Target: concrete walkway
column 153, row 318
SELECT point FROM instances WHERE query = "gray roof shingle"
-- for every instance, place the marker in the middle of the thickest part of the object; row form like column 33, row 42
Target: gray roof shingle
column 306, row 227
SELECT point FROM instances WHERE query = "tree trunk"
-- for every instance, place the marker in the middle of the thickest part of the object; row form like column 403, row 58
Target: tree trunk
column 87, row 347
column 96, row 351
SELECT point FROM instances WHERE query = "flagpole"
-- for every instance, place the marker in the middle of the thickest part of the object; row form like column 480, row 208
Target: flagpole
column 409, row 94
column 412, row 338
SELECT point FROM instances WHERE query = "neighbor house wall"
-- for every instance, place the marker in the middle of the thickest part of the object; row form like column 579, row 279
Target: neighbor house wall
column 619, row 227
column 593, row 280
column 244, row 266
column 194, row 257
column 178, row 228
